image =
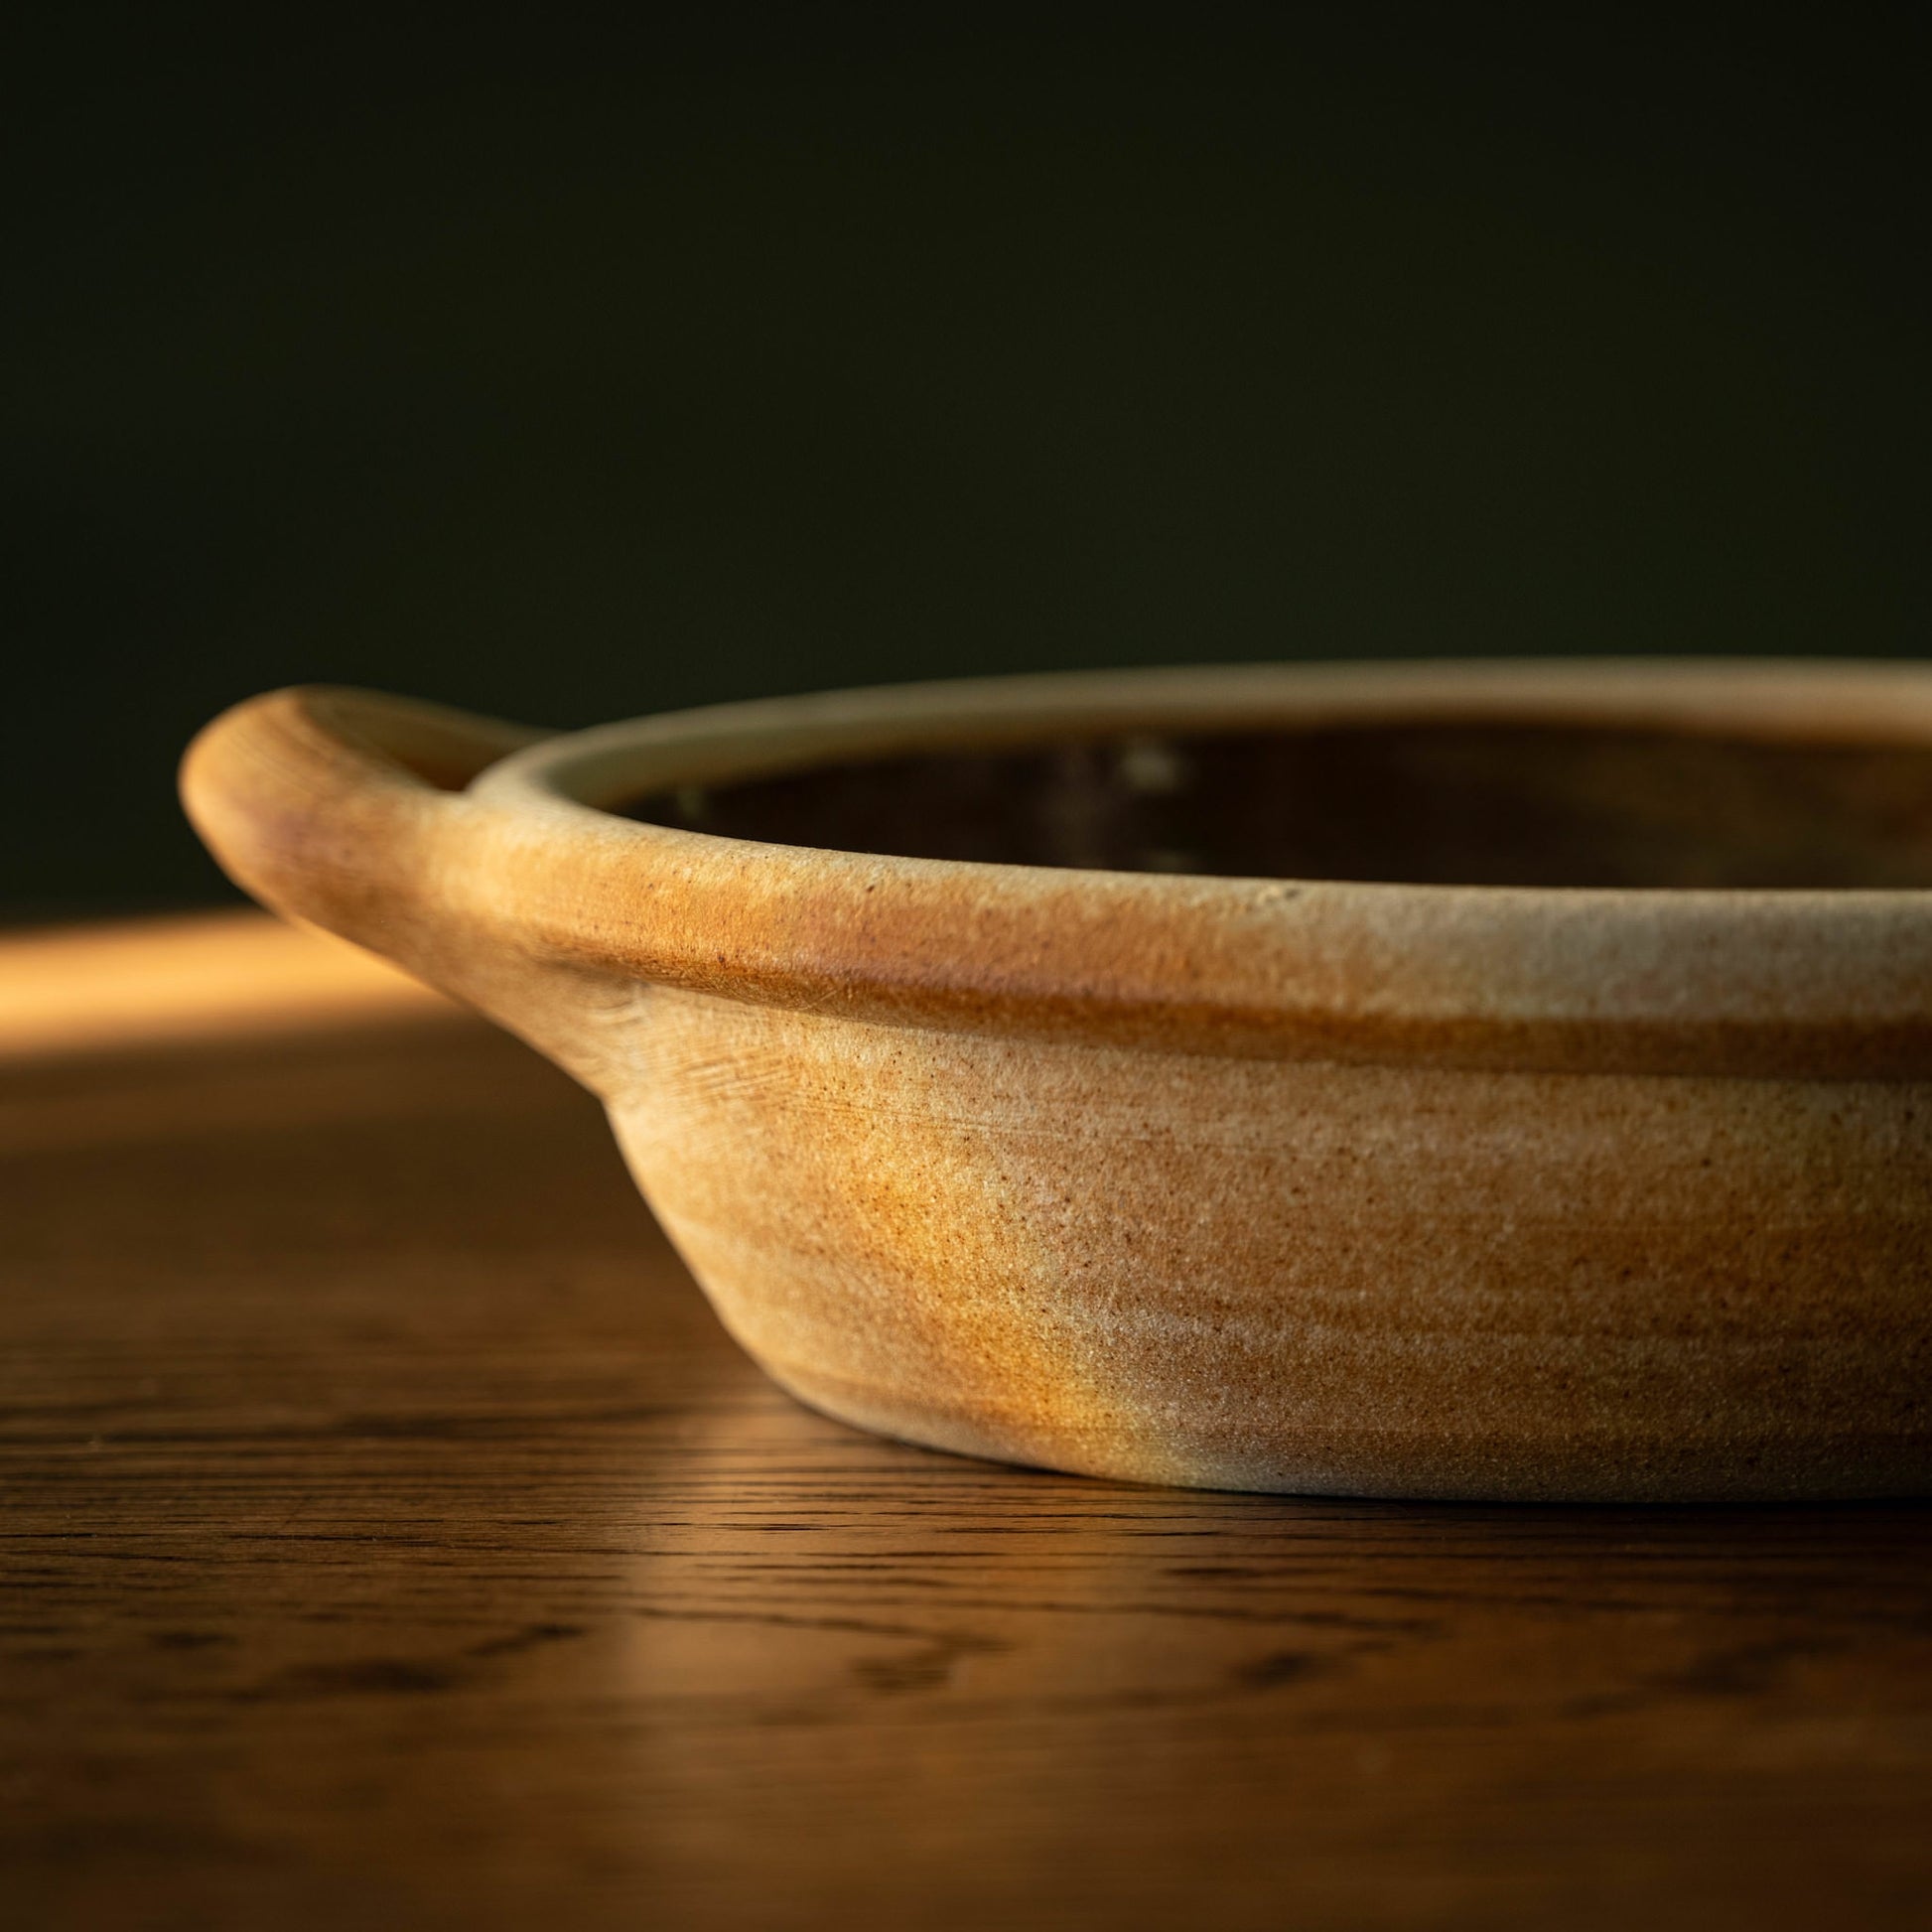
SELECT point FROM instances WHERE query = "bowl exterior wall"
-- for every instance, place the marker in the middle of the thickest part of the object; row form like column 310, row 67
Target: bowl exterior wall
column 1287, row 1274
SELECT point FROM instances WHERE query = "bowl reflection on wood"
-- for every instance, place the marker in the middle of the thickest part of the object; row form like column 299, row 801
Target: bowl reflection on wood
column 1503, row 1080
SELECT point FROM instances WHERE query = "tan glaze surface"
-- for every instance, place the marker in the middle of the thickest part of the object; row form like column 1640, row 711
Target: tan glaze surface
column 1311, row 1185
column 391, row 1539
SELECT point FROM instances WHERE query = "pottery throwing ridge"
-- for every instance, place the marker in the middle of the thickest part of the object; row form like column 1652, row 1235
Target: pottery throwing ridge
column 1500, row 1080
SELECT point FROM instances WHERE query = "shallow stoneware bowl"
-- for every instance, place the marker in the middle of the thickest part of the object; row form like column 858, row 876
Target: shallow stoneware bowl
column 1506, row 1081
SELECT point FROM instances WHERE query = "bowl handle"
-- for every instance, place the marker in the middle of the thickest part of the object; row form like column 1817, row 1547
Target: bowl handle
column 345, row 809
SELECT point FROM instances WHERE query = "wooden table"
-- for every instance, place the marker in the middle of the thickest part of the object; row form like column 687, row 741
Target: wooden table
column 392, row 1539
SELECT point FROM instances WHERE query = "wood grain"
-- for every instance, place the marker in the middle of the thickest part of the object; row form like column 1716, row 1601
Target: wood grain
column 392, row 1539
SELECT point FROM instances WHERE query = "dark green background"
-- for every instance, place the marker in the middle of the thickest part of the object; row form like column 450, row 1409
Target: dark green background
column 570, row 375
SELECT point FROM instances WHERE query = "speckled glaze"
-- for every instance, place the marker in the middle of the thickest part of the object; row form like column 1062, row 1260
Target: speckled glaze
column 1377, row 1190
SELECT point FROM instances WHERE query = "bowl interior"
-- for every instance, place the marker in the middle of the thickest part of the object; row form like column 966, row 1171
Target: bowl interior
column 1450, row 802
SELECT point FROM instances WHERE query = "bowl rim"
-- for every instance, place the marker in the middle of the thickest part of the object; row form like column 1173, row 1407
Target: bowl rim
column 1828, row 983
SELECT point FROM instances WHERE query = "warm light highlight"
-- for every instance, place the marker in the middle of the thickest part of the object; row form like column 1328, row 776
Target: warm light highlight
column 199, row 976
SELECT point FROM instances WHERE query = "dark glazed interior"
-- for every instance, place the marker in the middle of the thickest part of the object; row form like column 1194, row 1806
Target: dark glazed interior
column 1502, row 804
